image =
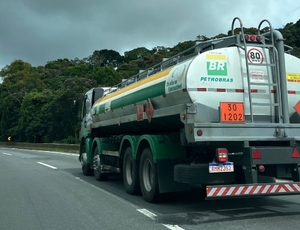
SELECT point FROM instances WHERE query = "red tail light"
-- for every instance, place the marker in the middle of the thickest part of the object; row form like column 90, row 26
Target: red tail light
column 222, row 155
column 256, row 154
column 258, row 38
column 296, row 154
column 253, row 38
column 261, row 168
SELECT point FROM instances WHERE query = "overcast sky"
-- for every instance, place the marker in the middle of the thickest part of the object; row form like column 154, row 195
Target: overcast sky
column 37, row 31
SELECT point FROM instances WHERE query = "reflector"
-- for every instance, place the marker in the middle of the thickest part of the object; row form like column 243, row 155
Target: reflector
column 199, row 132
column 256, row 154
column 296, row 154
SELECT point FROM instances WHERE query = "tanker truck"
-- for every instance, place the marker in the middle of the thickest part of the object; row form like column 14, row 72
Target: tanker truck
column 223, row 115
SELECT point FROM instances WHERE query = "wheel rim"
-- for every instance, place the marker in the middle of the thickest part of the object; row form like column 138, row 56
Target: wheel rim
column 148, row 175
column 96, row 165
column 128, row 171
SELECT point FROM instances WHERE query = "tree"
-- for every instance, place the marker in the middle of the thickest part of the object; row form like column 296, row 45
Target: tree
column 136, row 53
column 105, row 57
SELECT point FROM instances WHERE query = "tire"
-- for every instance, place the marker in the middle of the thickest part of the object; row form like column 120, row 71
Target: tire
column 86, row 167
column 99, row 175
column 199, row 174
column 130, row 173
column 149, row 178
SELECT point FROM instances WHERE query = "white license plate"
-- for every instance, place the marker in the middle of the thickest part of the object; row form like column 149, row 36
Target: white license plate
column 221, row 168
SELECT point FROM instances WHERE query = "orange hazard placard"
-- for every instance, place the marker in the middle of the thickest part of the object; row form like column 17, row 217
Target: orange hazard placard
column 232, row 112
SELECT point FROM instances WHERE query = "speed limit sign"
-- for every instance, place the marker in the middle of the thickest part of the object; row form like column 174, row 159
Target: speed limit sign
column 255, row 56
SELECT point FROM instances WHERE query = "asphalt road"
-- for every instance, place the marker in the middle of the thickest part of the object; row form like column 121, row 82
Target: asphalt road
column 45, row 190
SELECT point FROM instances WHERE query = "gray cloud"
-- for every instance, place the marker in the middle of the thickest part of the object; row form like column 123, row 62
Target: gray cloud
column 38, row 31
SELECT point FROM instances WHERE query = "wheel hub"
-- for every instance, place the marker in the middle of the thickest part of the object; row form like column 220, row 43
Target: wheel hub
column 83, row 159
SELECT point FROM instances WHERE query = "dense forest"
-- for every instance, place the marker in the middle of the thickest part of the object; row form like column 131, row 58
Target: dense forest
column 36, row 103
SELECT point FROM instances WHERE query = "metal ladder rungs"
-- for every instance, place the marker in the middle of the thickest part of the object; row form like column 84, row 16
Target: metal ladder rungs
column 262, row 64
column 265, row 104
column 264, row 84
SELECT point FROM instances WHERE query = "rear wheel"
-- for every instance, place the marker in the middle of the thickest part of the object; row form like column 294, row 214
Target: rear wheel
column 130, row 173
column 98, row 173
column 148, row 177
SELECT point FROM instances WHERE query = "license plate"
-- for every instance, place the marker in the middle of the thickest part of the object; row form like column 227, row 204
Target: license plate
column 232, row 112
column 221, row 168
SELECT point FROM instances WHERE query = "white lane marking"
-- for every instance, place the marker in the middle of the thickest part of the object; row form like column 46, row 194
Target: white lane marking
column 147, row 213
column 173, row 227
column 152, row 216
column 61, row 153
column 8, row 154
column 50, row 166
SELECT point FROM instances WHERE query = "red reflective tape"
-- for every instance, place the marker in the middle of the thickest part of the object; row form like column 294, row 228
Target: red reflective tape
column 291, row 92
column 278, row 189
column 260, row 191
column 285, row 188
column 217, row 191
column 243, row 192
column 270, row 189
column 253, row 189
column 235, row 190
column 293, row 187
column 273, row 91
column 221, row 90
column 254, row 91
column 250, row 190
column 225, row 192
column 202, row 89
column 239, row 90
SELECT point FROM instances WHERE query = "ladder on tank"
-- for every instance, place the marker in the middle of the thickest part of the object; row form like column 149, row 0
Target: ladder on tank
column 272, row 66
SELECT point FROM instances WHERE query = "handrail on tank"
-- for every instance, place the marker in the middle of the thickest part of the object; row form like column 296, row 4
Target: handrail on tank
column 241, row 25
column 175, row 60
column 279, row 44
column 270, row 29
column 152, row 70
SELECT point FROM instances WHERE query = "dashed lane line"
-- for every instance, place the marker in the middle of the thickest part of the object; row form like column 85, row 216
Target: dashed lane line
column 152, row 216
column 49, row 166
column 147, row 213
column 7, row 154
column 173, row 227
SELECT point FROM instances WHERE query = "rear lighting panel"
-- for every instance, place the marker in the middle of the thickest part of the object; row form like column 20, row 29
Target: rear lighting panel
column 254, row 38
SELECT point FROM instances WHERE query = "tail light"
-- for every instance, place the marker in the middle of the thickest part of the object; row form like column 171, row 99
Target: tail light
column 261, row 168
column 222, row 155
column 253, row 38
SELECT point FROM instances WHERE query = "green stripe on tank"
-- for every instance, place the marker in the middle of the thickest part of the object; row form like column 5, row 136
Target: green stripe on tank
column 102, row 108
column 140, row 95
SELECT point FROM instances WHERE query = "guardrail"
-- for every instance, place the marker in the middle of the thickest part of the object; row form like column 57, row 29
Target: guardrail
column 68, row 148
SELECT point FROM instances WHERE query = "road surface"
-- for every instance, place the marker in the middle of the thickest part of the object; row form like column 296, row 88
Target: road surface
column 46, row 190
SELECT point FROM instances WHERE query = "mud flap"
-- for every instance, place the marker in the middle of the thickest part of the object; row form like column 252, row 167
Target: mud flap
column 165, row 169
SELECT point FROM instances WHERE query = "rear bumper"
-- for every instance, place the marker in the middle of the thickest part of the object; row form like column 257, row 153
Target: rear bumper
column 250, row 190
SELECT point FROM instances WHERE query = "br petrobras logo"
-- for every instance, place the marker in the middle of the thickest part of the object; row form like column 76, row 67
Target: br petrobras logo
column 216, row 64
